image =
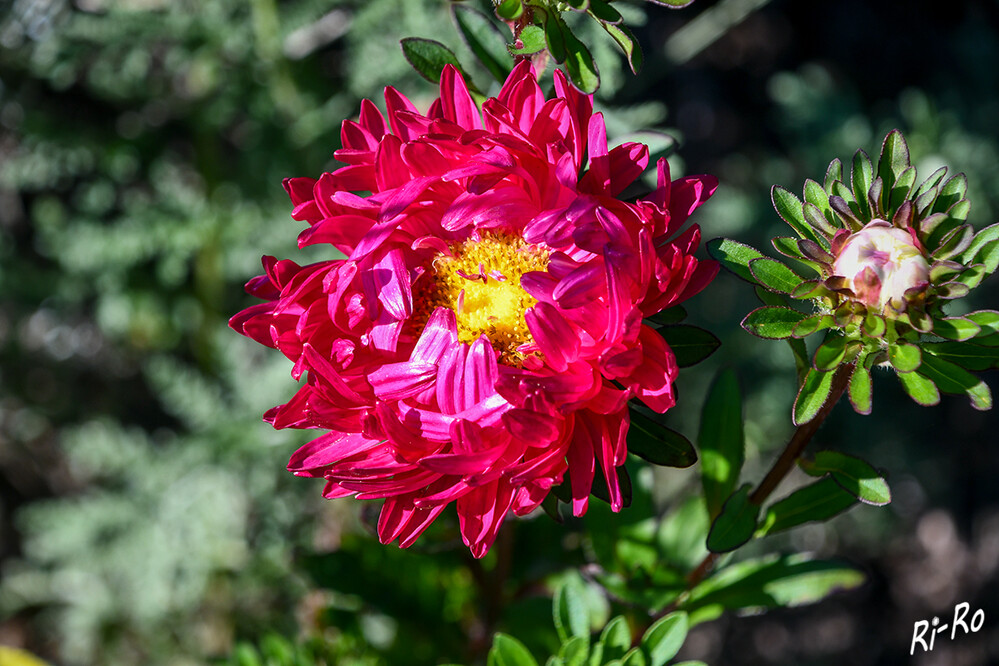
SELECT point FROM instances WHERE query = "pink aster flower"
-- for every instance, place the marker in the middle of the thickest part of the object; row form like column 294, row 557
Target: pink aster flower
column 484, row 333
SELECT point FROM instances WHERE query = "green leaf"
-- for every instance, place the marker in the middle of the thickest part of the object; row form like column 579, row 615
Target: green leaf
column 771, row 582
column 815, row 502
column 920, row 389
column 721, row 440
column 665, row 638
column 812, row 395
column 982, row 238
column 861, row 389
column 772, row 322
column 834, row 173
column 893, row 161
column 951, row 378
column 968, row 356
column 862, row 176
column 616, row 639
column 672, row 4
column 627, row 42
column 774, row 275
column 673, row 315
column 789, row 207
column 682, row 532
column 484, row 40
column 578, row 60
column 956, row 328
column 657, row 444
column 690, row 344
column 508, row 651
column 429, row 57
column 830, row 353
column 634, row 658
column 904, row 357
column 569, row 610
column 533, row 39
column 555, row 36
column 988, row 320
column 734, row 256
column 951, row 193
column 855, row 476
column 575, row 651
column 812, row 324
column 736, row 523
column 510, row 9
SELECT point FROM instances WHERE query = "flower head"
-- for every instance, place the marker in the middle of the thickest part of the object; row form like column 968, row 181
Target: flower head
column 484, row 331
column 889, row 257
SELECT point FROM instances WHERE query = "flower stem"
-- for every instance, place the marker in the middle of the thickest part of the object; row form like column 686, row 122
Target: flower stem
column 788, row 457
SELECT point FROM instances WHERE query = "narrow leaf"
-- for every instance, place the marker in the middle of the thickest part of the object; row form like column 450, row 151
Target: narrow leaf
column 659, row 445
column 774, row 275
column 569, row 610
column 736, row 523
column 690, row 344
column 956, row 328
column 484, row 40
column 817, row 501
column 721, row 441
column 853, row 474
column 789, row 207
column 508, row 651
column 861, row 389
column 951, row 378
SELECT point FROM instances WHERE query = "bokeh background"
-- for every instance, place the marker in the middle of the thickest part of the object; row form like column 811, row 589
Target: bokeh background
column 145, row 514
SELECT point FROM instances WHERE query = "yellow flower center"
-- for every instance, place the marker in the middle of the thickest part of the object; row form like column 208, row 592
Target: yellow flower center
column 480, row 282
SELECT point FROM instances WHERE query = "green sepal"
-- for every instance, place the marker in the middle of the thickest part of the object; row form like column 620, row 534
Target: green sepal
column 874, row 325
column 904, row 357
column 922, row 390
column 721, row 441
column 812, row 396
column 861, row 390
column 952, row 378
column 690, row 344
column 812, row 324
column 830, row 353
column 856, row 476
column 652, row 441
column 815, row 502
column 734, row 256
column 736, row 523
column 956, row 328
column 772, row 322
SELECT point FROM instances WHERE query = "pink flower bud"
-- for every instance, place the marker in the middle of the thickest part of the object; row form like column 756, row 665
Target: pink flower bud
column 884, row 266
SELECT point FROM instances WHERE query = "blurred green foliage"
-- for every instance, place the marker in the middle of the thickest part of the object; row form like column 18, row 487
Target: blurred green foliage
column 145, row 515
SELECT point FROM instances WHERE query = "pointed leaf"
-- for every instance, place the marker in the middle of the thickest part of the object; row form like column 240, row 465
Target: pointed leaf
column 981, row 239
column 817, row 501
column 951, row 378
column 428, row 57
column 616, row 638
column 956, row 328
column 893, row 161
column 484, row 40
column 627, row 42
column 659, row 445
column 736, row 523
column 853, row 474
column 968, row 356
column 690, row 344
column 673, row 315
column 721, row 440
column 861, row 178
column 834, row 172
column 789, row 207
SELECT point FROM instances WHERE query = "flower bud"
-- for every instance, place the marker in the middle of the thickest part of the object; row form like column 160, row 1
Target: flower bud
column 883, row 266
